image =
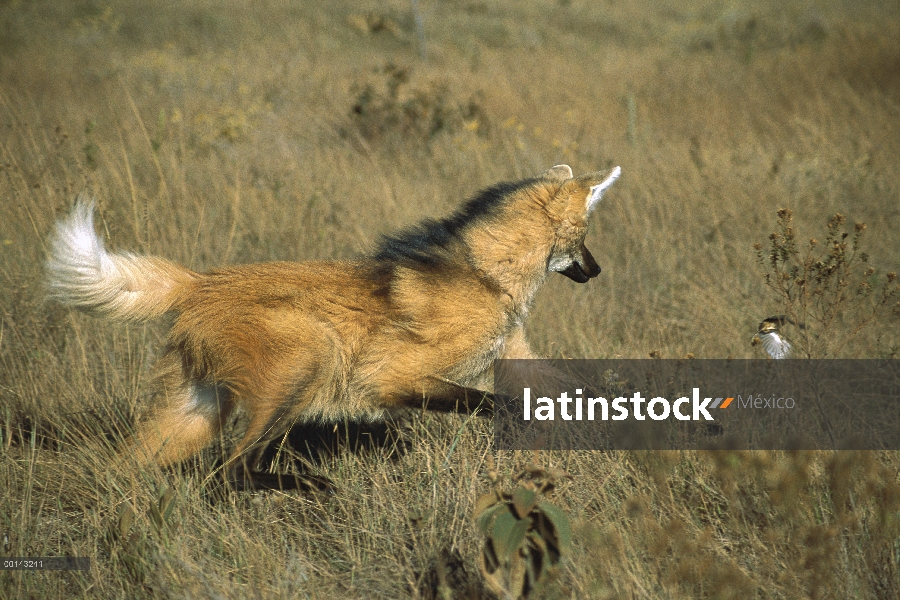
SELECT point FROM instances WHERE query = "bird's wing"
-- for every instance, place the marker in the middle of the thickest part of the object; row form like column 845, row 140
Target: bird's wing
column 775, row 345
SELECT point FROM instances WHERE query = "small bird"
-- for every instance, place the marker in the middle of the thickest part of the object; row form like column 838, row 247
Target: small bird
column 773, row 341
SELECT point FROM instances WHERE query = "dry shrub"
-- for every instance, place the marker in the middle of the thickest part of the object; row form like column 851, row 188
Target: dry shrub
column 828, row 288
column 393, row 106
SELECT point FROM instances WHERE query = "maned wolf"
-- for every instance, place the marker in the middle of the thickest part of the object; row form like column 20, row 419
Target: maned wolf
column 417, row 321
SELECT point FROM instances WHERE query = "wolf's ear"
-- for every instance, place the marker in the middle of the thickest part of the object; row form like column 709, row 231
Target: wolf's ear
column 559, row 173
column 596, row 191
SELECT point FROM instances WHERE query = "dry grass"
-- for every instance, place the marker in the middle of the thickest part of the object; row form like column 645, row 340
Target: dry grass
column 214, row 134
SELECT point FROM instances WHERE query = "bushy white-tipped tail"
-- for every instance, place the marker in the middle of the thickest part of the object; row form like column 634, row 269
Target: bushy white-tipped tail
column 122, row 286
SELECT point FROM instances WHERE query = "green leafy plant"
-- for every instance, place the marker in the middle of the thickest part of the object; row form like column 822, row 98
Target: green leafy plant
column 526, row 536
column 161, row 511
column 827, row 288
column 128, row 542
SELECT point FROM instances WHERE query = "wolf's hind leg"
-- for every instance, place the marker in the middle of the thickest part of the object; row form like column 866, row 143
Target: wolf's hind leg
column 279, row 401
column 190, row 416
column 241, row 466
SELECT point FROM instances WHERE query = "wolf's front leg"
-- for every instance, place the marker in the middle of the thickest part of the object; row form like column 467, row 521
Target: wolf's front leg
column 534, row 369
column 441, row 395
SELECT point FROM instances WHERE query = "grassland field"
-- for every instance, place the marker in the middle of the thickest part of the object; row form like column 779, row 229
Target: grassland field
column 224, row 132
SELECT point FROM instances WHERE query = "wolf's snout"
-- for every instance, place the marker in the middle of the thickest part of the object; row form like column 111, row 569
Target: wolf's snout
column 583, row 268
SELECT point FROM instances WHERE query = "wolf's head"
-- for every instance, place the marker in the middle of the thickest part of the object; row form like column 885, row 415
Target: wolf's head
column 568, row 210
column 512, row 234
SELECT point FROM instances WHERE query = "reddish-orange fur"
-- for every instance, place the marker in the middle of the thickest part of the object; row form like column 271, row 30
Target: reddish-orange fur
column 419, row 322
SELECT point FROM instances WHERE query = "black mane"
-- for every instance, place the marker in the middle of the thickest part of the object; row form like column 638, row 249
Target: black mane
column 426, row 244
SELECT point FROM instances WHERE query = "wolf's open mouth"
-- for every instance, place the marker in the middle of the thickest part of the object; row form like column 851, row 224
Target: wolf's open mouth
column 582, row 271
column 577, row 274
